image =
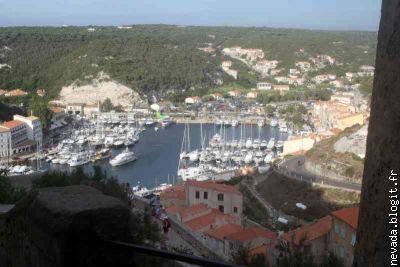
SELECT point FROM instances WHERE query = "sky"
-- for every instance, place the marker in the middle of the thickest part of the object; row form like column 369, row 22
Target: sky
column 309, row 14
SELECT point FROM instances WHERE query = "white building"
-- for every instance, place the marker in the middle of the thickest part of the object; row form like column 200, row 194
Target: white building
column 33, row 127
column 5, row 145
column 264, row 86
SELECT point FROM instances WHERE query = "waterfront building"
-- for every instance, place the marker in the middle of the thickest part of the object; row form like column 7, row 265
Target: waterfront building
column 5, row 145
column 343, row 234
column 33, row 127
column 282, row 88
column 19, row 137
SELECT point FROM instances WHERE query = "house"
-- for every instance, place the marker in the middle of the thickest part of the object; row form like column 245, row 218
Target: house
column 342, row 98
column 2, row 92
column 282, row 79
column 214, row 218
column 282, row 88
column 264, row 86
column 343, row 234
column 75, row 109
column 232, row 73
column 192, row 100
column 33, row 127
column 215, row 238
column 41, row 92
column 311, row 238
column 217, row 96
column 225, row 198
column 234, row 93
column 16, row 92
column 173, row 196
column 337, row 83
column 303, row 65
column 90, row 109
column 57, row 117
column 366, row 68
column 350, row 75
column 252, row 238
column 252, row 95
column 226, row 64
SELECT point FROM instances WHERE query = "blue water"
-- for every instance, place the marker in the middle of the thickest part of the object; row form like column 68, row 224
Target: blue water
column 158, row 152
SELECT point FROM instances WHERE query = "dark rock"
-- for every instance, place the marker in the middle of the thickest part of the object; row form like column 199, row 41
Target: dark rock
column 67, row 226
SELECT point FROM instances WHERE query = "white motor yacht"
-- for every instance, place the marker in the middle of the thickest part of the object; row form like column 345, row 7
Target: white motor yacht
column 249, row 143
column 78, row 160
column 123, row 158
column 271, row 143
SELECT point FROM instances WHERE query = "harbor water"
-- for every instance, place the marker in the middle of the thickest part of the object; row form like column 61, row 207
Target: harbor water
column 158, row 151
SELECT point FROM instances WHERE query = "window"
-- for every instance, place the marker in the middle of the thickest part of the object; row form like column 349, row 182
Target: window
column 220, row 197
column 197, row 194
column 337, row 230
column 353, row 240
column 221, row 208
column 235, row 209
column 343, row 232
column 341, row 251
column 205, row 195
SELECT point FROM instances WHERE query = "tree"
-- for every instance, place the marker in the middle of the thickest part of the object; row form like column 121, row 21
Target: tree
column 8, row 193
column 242, row 256
column 366, row 85
column 107, row 105
column 270, row 110
column 39, row 107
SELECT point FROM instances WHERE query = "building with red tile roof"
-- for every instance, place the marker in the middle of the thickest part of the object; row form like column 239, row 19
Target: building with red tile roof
column 41, row 92
column 11, row 124
column 16, row 92
column 173, row 196
column 2, row 92
column 185, row 214
column 213, row 219
column 226, row 198
column 343, row 235
column 312, row 238
column 223, row 231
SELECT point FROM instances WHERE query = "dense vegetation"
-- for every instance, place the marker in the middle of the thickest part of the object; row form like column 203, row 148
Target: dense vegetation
column 155, row 59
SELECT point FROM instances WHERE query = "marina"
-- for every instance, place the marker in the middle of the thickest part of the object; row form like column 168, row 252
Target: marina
column 153, row 154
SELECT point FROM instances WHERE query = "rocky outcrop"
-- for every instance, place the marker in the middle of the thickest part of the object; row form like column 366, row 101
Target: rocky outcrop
column 383, row 143
column 66, row 226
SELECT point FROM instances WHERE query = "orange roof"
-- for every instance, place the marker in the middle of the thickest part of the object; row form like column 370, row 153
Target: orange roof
column 214, row 186
column 209, row 219
column 348, row 215
column 187, row 211
column 221, row 232
column 262, row 249
column 16, row 92
column 252, row 233
column 173, row 192
column 12, row 124
column 56, row 110
column 310, row 231
column 2, row 92
column 335, row 130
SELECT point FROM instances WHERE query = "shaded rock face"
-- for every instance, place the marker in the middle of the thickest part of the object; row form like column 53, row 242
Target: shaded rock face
column 383, row 145
column 66, row 226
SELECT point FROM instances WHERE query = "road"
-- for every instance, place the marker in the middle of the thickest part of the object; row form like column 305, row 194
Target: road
column 294, row 168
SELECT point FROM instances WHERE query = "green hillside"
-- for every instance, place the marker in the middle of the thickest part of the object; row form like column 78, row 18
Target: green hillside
column 158, row 58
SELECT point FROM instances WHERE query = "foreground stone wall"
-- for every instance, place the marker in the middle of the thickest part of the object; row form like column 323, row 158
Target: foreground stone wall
column 65, row 226
column 383, row 145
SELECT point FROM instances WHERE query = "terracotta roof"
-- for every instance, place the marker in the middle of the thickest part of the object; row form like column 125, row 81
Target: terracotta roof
column 335, row 130
column 193, row 210
column 262, row 249
column 16, row 92
column 214, row 186
column 12, row 124
column 310, row 231
column 173, row 192
column 252, row 233
column 174, row 209
column 348, row 215
column 56, row 110
column 221, row 232
column 209, row 219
